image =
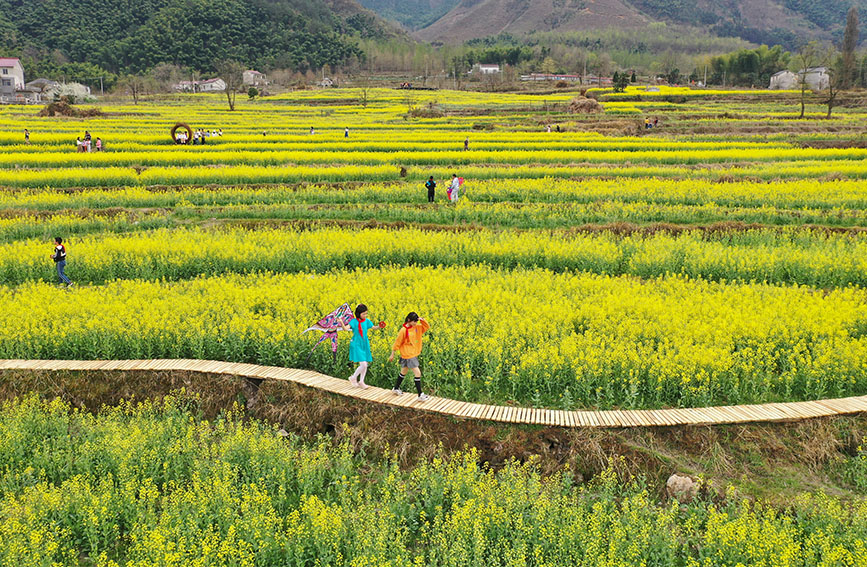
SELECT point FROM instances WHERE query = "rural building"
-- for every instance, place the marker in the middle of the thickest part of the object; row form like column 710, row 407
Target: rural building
column 601, row 81
column 211, row 85
column 254, row 78
column 817, row 79
column 208, row 86
column 12, row 86
column 783, row 80
column 42, row 85
column 11, row 76
column 186, row 86
column 551, row 77
column 485, row 69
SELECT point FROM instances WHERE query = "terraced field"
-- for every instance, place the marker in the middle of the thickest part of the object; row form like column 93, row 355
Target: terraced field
column 602, row 266
column 716, row 259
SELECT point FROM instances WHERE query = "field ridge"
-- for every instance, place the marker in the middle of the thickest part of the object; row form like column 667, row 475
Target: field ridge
column 719, row 415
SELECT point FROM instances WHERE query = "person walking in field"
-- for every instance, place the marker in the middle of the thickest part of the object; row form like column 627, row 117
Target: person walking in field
column 59, row 257
column 454, row 188
column 27, row 136
column 359, row 348
column 431, row 186
column 467, row 144
column 408, row 343
column 346, row 132
column 98, row 144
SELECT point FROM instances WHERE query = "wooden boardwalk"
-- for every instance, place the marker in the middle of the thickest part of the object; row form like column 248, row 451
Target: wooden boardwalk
column 791, row 411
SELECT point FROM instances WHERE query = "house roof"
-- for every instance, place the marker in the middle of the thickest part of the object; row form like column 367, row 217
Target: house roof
column 9, row 61
column 253, row 71
column 210, row 81
column 783, row 72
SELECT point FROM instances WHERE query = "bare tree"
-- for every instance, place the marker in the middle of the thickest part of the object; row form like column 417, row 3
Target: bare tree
column 232, row 74
column 836, row 76
column 135, row 85
column 808, row 56
column 166, row 76
column 364, row 91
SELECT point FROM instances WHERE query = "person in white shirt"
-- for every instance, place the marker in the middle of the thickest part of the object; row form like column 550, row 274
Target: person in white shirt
column 454, row 188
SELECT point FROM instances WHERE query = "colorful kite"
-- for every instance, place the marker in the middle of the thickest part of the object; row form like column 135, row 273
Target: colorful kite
column 330, row 326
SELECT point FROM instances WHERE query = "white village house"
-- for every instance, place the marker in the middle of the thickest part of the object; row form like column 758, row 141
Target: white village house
column 212, row 85
column 817, row 79
column 486, row 69
column 11, row 77
column 783, row 80
column 254, row 78
column 207, row 86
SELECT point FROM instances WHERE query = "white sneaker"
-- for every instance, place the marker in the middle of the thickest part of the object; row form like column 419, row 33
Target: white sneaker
column 423, row 397
column 397, row 391
column 353, row 381
column 363, row 386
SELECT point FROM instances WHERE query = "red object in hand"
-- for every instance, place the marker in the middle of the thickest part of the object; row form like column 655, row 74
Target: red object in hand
column 382, row 324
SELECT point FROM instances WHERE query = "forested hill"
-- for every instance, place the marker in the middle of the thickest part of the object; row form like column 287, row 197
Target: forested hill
column 787, row 22
column 134, row 35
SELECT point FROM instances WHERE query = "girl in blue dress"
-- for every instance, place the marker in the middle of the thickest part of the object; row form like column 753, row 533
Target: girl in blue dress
column 359, row 348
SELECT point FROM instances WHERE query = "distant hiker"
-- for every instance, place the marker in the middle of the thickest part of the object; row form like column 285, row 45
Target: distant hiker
column 79, row 145
column 408, row 343
column 220, row 132
column 346, row 132
column 431, row 188
column 467, row 144
column 655, row 122
column 263, row 133
column 359, row 348
column 548, row 128
column 558, row 128
column 312, row 131
column 59, row 257
column 454, row 188
column 27, row 136
column 98, row 144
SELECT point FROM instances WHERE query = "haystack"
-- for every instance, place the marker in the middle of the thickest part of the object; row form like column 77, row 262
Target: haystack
column 584, row 105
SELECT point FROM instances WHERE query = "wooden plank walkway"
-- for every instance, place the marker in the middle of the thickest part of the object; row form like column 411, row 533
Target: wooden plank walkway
column 792, row 411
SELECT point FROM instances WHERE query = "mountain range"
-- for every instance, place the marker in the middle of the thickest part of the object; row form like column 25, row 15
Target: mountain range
column 761, row 21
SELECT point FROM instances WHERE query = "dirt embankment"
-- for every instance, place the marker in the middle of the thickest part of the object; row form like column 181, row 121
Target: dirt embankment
column 771, row 461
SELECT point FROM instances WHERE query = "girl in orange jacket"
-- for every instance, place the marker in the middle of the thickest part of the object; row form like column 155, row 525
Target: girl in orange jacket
column 408, row 344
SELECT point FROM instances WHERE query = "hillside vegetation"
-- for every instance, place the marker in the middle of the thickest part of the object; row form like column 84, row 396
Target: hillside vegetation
column 132, row 36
